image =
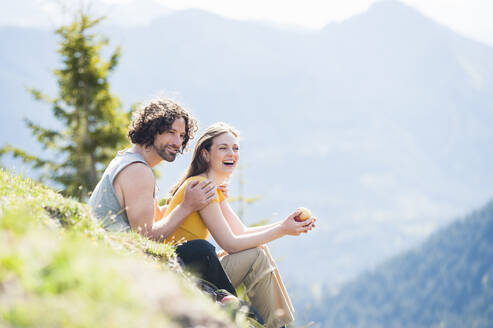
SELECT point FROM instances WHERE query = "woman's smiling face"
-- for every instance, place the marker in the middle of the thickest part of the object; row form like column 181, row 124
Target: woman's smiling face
column 224, row 154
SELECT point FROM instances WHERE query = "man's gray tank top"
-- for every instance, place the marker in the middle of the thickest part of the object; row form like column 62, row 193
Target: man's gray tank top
column 103, row 202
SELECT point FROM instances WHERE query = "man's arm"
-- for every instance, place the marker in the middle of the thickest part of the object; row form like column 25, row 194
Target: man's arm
column 135, row 184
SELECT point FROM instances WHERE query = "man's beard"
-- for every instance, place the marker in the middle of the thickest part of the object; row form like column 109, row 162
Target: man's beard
column 164, row 153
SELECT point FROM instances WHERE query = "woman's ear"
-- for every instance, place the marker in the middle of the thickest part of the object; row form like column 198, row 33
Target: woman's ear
column 205, row 155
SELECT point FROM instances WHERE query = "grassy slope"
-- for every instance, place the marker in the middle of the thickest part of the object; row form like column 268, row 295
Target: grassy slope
column 59, row 268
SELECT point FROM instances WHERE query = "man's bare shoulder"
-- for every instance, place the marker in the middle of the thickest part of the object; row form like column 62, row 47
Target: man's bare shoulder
column 135, row 174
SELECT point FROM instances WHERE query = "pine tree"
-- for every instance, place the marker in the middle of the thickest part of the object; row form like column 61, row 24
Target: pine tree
column 94, row 126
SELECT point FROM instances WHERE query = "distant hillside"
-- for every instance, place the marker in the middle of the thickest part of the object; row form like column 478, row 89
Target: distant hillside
column 447, row 282
column 380, row 124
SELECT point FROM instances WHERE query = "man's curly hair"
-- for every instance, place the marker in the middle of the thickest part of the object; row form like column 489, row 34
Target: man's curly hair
column 157, row 117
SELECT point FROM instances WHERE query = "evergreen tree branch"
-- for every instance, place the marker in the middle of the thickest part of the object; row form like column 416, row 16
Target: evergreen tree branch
column 46, row 137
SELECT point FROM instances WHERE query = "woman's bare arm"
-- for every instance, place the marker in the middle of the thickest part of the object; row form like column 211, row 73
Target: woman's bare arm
column 235, row 223
column 232, row 243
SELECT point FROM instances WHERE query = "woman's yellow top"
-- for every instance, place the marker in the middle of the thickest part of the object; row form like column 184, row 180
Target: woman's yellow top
column 193, row 227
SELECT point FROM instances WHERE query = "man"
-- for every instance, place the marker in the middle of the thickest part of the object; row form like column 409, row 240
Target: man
column 125, row 197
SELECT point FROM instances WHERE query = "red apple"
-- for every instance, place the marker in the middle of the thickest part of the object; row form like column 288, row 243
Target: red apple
column 304, row 215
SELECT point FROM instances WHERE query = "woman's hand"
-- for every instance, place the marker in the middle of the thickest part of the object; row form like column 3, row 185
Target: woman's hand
column 224, row 188
column 293, row 228
column 311, row 225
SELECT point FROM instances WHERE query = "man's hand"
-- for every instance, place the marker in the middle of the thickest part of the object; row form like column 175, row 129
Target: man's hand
column 199, row 195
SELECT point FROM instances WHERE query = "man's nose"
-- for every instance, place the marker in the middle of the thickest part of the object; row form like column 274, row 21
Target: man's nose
column 178, row 140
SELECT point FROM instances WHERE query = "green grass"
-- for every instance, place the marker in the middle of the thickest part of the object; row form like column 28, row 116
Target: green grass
column 59, row 268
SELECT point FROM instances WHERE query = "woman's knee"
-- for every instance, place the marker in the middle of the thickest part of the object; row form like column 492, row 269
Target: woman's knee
column 196, row 248
column 259, row 259
column 252, row 252
column 261, row 254
column 203, row 245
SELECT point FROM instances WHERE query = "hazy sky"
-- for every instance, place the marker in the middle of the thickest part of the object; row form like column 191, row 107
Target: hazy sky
column 471, row 18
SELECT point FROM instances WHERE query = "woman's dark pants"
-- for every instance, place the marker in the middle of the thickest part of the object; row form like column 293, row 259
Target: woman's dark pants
column 199, row 256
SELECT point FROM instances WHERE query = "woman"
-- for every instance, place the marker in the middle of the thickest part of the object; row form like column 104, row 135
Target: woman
column 248, row 261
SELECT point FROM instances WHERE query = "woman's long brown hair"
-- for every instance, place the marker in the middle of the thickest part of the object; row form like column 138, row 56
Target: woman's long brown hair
column 199, row 165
